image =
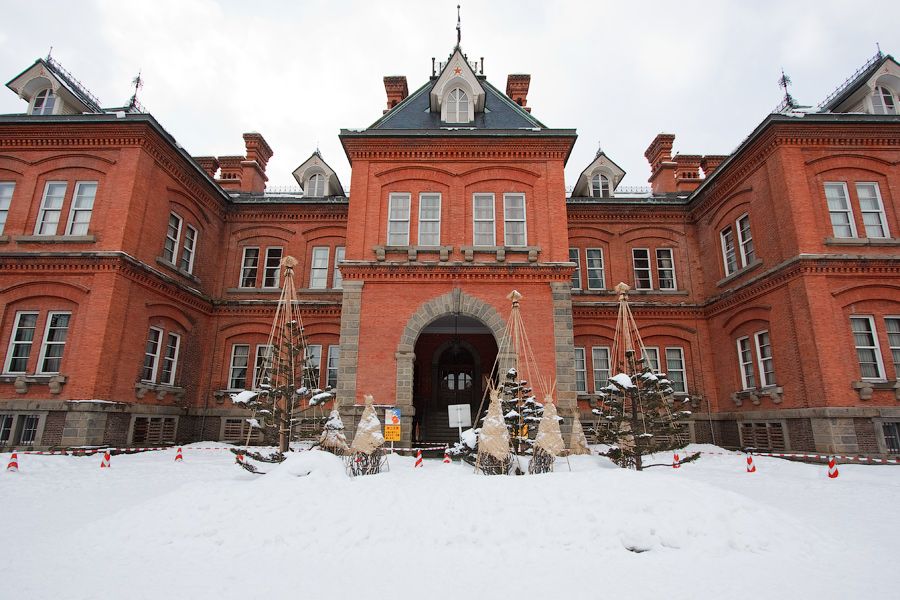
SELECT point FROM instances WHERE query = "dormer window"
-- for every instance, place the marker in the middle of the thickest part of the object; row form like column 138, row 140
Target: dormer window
column 44, row 102
column 315, row 187
column 600, row 187
column 883, row 102
column 457, row 106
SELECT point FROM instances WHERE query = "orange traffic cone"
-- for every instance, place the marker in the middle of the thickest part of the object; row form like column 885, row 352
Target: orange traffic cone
column 676, row 463
column 178, row 457
column 751, row 468
column 418, row 459
column 104, row 464
column 832, row 468
column 13, row 463
column 446, row 456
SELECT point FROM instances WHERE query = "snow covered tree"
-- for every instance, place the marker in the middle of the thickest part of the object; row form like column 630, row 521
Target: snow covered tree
column 366, row 452
column 548, row 443
column 333, row 439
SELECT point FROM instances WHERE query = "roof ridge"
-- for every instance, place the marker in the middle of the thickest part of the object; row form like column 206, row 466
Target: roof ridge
column 850, row 82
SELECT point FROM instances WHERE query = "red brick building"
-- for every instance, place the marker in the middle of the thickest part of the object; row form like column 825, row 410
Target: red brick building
column 138, row 283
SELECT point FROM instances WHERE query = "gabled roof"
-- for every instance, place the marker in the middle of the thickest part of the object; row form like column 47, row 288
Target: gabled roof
column 606, row 165
column 849, row 87
column 315, row 163
column 43, row 68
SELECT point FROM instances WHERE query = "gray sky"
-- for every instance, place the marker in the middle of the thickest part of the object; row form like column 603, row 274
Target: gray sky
column 297, row 72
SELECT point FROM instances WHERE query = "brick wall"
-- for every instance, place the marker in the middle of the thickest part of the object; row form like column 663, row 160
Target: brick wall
column 800, row 435
column 53, row 428
column 866, row 436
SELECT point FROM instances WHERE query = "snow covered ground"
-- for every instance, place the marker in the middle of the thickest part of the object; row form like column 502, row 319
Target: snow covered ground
column 205, row 529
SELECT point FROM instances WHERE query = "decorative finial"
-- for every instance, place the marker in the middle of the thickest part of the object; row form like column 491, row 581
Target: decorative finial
column 599, row 150
column 514, row 296
column 458, row 27
column 784, row 81
column 138, row 83
column 289, row 262
column 622, row 290
column 50, row 53
column 877, row 45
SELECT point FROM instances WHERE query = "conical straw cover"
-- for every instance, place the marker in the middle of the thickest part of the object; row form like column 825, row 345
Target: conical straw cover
column 493, row 438
column 548, row 436
column 333, row 435
column 577, row 442
column 368, row 432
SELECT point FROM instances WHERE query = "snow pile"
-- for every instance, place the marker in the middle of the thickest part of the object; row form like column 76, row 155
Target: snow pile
column 316, row 463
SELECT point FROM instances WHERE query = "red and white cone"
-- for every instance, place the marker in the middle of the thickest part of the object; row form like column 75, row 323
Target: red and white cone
column 751, row 468
column 446, row 456
column 104, row 464
column 178, row 456
column 676, row 462
column 13, row 463
column 832, row 468
column 238, row 458
column 418, row 459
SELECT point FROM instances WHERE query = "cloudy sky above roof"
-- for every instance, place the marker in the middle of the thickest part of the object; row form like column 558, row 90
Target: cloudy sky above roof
column 298, row 72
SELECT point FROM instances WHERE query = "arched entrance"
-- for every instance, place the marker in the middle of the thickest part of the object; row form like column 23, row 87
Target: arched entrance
column 454, row 356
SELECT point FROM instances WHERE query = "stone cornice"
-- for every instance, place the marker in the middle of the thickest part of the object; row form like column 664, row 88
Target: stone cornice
column 609, row 310
column 266, row 309
column 629, row 213
column 455, row 272
column 256, row 213
column 449, row 148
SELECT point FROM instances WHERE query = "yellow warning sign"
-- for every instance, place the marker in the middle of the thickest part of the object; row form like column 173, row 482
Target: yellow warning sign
column 392, row 433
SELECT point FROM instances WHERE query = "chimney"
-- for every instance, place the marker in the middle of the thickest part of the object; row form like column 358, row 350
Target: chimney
column 662, row 169
column 517, row 88
column 711, row 162
column 230, row 172
column 397, row 90
column 208, row 164
column 254, row 166
column 687, row 172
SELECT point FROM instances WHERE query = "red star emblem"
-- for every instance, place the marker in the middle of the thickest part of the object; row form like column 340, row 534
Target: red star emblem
column 457, row 71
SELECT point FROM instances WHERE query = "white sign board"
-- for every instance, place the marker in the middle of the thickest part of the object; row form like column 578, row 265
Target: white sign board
column 460, row 415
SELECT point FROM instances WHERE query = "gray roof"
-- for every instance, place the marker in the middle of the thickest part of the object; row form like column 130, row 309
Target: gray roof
column 850, row 86
column 75, row 87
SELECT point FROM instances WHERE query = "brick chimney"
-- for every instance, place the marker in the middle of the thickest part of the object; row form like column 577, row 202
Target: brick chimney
column 397, row 90
column 254, row 166
column 687, row 172
column 230, row 172
column 209, row 164
column 517, row 88
column 711, row 162
column 662, row 168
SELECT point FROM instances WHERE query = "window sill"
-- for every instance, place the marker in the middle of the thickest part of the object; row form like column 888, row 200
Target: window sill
column 142, row 387
column 4, row 239
column 862, row 241
column 633, row 292
column 412, row 252
column 501, row 252
column 740, row 272
column 248, row 290
column 754, row 395
column 866, row 387
column 54, row 381
column 161, row 261
column 55, row 239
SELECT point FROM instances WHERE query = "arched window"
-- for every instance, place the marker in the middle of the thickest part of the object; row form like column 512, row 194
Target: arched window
column 600, row 186
column 44, row 102
column 315, row 187
column 457, row 106
column 883, row 101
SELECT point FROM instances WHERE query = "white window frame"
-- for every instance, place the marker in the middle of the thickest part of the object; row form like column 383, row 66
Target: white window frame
column 580, row 387
column 882, row 217
column 576, row 274
column 164, row 358
column 154, row 370
column 660, row 268
column 743, row 242
column 262, row 364
column 588, row 268
column 894, row 348
column 44, row 96
column 487, row 196
column 232, row 367
column 314, row 183
column 337, row 280
column 457, row 110
column 269, row 269
column 600, row 383
column 726, row 235
column 764, row 380
column 507, row 220
column 44, row 210
column 601, row 180
column 307, row 360
column 648, row 361
column 171, row 254
column 437, row 235
column 245, row 270
column 880, row 107
column 7, row 189
column 318, row 267
column 398, row 239
column 188, row 249
column 13, row 343
column 682, row 370
column 75, row 210
column 649, row 268
column 879, row 362
column 848, row 211
column 334, row 356
column 748, row 377
column 45, row 343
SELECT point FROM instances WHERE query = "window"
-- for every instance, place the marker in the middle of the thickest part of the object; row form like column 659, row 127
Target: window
column 54, row 342
column 161, row 348
column 651, row 359
column 315, row 187
column 745, row 239
column 19, row 429
column 745, row 359
column 483, row 215
column 331, row 377
column 764, row 356
column 872, row 210
column 601, row 366
column 6, row 192
column 173, row 231
column 883, row 101
column 249, row 267
column 595, row 274
column 153, row 430
column 574, row 256
column 237, row 430
column 313, row 365
column 272, row 270
column 893, row 333
column 675, row 369
column 891, row 437
column 338, row 281
column 187, row 252
column 6, row 424
column 28, row 430
column 240, row 361
column 51, row 208
column 82, row 206
column 151, row 355
column 457, row 106
column 262, row 366
column 514, row 230
column 318, row 278
column 44, row 102
column 867, row 352
column 665, row 268
column 429, row 219
column 839, row 209
column 643, row 280
column 728, row 251
column 398, row 220
column 170, row 359
column 600, row 187
column 21, row 342
column 580, row 371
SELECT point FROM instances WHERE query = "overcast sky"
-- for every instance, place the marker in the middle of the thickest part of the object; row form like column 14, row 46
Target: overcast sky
column 298, row 72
